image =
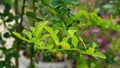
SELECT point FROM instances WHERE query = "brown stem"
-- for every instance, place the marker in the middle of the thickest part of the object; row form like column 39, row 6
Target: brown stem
column 16, row 42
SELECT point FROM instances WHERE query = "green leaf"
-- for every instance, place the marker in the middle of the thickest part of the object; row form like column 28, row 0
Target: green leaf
column 83, row 42
column 10, row 17
column 71, row 32
column 39, row 28
column 53, row 11
column 33, row 31
column 46, row 2
column 94, row 45
column 64, row 45
column 70, row 20
column 7, row 8
column 29, row 35
column 74, row 1
column 45, row 10
column 82, row 15
column 74, row 41
column 65, row 39
column 55, row 3
column 21, row 37
column 2, row 64
column 45, row 36
column 50, row 47
column 62, row 12
column 31, row 16
column 52, row 33
column 94, row 19
column 90, row 51
column 17, row 34
column 100, row 55
column 57, row 25
column 39, row 45
column 115, row 27
column 108, row 6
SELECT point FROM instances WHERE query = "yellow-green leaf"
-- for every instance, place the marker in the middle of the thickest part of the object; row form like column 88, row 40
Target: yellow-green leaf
column 83, row 42
column 65, row 45
column 39, row 28
column 52, row 33
column 90, row 51
column 100, row 55
column 71, row 32
column 74, row 41
column 21, row 37
column 29, row 35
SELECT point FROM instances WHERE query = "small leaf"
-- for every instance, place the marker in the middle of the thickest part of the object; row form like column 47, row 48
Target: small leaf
column 83, row 42
column 65, row 39
column 19, row 36
column 90, row 51
column 33, row 31
column 55, row 3
column 10, row 17
column 55, row 38
column 74, row 41
column 82, row 14
column 70, row 20
column 29, row 35
column 94, row 45
column 108, row 6
column 100, row 55
column 71, row 32
column 64, row 45
column 45, row 36
column 74, row 1
column 39, row 28
column 31, row 16
column 45, row 10
column 50, row 47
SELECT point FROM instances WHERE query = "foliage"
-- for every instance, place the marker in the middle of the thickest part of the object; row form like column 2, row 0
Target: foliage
column 51, row 26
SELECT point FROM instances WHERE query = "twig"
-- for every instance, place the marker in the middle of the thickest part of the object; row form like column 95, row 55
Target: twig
column 23, row 7
column 16, row 42
column 16, row 10
column 34, row 11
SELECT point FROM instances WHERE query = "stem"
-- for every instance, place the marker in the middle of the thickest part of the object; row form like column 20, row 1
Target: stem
column 16, row 7
column 23, row 8
column 31, row 57
column 32, row 46
column 16, row 42
column 34, row 11
column 18, row 29
column 4, row 23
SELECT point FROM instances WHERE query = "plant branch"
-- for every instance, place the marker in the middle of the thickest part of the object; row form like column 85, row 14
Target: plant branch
column 34, row 11
column 16, row 42
column 32, row 46
column 4, row 23
column 16, row 10
column 23, row 7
